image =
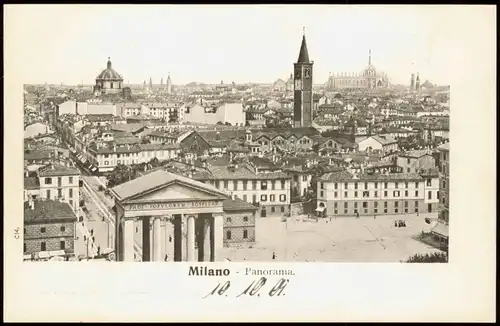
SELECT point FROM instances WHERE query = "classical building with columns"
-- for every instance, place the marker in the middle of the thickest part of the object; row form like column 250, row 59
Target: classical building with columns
column 163, row 216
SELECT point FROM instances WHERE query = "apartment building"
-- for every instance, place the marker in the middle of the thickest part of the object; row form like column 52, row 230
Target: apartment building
column 347, row 194
column 270, row 191
column 55, row 182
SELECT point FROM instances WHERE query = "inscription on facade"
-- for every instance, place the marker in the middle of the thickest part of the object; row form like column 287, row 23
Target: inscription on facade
column 174, row 205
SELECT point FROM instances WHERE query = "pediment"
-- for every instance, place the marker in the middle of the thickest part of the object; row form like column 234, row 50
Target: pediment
column 177, row 191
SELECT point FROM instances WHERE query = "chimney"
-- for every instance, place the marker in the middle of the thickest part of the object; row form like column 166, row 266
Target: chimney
column 31, row 203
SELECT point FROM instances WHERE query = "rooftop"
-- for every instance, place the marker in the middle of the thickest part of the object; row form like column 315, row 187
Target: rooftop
column 53, row 169
column 48, row 211
column 237, row 205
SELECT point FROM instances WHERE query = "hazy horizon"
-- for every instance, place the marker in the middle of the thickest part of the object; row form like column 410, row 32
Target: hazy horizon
column 209, row 44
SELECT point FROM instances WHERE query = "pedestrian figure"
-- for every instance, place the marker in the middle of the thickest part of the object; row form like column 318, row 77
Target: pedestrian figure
column 91, row 231
column 98, row 250
column 357, row 214
column 395, row 224
column 166, row 257
column 330, row 218
column 274, row 255
column 93, row 239
column 84, row 238
column 374, row 216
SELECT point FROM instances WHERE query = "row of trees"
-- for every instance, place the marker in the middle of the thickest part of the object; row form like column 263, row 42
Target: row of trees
column 123, row 173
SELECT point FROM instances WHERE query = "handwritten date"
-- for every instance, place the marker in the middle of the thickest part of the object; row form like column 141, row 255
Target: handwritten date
column 252, row 290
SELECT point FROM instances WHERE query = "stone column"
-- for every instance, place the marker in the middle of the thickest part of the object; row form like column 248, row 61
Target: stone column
column 146, row 253
column 216, row 237
column 128, row 240
column 168, row 235
column 157, row 240
column 190, row 238
column 206, row 238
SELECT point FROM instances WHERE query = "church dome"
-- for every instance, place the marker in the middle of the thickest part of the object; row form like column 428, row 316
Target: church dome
column 109, row 73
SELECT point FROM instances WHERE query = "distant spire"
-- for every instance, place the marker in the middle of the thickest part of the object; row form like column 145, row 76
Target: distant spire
column 303, row 54
column 109, row 62
column 370, row 57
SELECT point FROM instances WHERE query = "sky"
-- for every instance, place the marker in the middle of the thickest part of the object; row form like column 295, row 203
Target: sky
column 71, row 43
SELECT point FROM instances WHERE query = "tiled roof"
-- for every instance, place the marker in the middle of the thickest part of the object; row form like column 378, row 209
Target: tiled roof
column 137, row 148
column 127, row 140
column 48, row 211
column 384, row 140
column 31, row 183
column 127, row 127
column 414, row 153
column 346, row 176
column 237, row 205
column 243, row 172
column 57, row 170
column 38, row 155
column 157, row 179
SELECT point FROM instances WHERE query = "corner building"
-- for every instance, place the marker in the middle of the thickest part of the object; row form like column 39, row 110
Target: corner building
column 346, row 194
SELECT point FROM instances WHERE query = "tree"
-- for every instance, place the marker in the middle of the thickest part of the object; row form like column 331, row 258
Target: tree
column 219, row 123
column 436, row 257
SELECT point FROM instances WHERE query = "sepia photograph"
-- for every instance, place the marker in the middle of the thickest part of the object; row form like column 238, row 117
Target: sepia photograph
column 309, row 162
column 246, row 142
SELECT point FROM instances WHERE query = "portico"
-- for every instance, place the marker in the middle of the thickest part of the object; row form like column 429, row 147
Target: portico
column 176, row 214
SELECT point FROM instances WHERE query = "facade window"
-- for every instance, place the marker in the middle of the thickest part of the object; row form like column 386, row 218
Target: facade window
column 273, row 209
column 245, row 184
column 48, row 194
column 273, row 184
column 366, row 194
column 396, row 185
column 321, row 194
column 416, row 193
column 375, row 194
column 217, row 184
column 406, row 184
column 263, row 185
column 376, row 185
column 408, row 170
column 62, row 245
column 366, row 185
column 345, row 185
column 444, row 184
column 396, row 194
column 59, row 193
column 43, row 246
column 429, row 195
column 416, row 184
column 365, row 204
column 245, row 197
column 226, row 184
column 429, row 182
column 345, row 194
column 71, row 180
column 283, row 184
column 235, row 185
column 345, row 205
column 245, row 218
column 63, row 228
column 70, row 193
column 24, row 247
column 254, row 185
column 43, row 229
column 335, row 185
column 245, row 234
column 254, row 198
column 355, row 185
column 355, row 194
column 282, row 209
column 335, row 194
column 228, row 220
column 272, row 197
column 406, row 193
column 355, row 205
column 48, row 181
column 385, row 193
column 322, row 185
column 228, row 235
column 282, row 197
column 385, row 185
column 263, row 197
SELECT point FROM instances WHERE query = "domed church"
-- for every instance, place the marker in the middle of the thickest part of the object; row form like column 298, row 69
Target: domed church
column 108, row 81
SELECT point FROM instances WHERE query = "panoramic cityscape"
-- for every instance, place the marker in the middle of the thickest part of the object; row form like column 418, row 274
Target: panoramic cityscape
column 352, row 168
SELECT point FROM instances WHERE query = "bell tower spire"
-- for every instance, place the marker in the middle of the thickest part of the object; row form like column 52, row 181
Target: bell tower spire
column 109, row 62
column 370, row 57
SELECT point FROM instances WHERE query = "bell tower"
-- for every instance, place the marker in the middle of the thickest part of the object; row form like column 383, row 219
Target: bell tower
column 303, row 82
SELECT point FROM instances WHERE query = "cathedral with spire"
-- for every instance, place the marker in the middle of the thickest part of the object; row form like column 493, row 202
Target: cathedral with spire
column 303, row 88
column 366, row 79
